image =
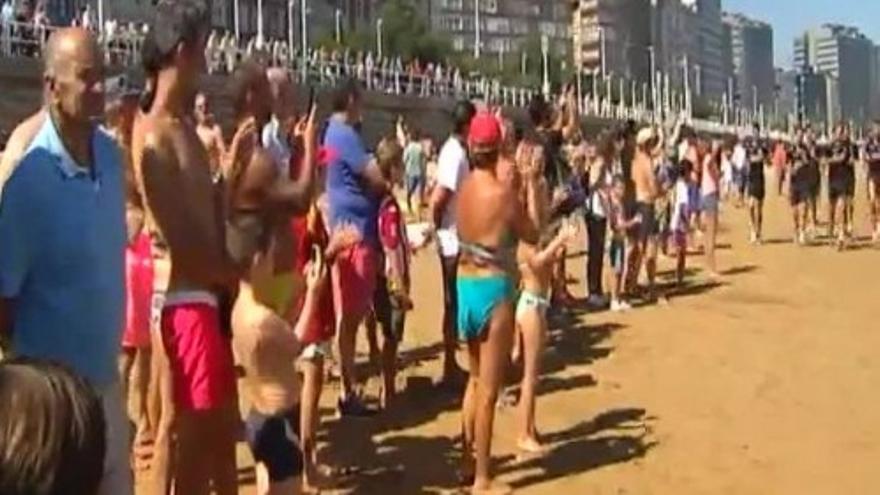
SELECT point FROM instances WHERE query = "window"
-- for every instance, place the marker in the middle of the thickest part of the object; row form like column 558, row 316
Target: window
column 458, row 43
column 452, row 4
column 520, row 27
column 498, row 25
column 490, row 6
column 451, row 23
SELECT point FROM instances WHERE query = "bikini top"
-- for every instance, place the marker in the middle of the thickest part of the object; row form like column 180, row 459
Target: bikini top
column 502, row 257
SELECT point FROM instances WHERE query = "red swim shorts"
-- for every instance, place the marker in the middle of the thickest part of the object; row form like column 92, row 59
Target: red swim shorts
column 202, row 367
column 354, row 279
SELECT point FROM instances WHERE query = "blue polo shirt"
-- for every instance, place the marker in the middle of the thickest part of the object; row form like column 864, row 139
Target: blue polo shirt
column 347, row 194
column 62, row 255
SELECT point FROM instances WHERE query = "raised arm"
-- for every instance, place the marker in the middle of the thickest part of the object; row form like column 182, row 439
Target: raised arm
column 296, row 195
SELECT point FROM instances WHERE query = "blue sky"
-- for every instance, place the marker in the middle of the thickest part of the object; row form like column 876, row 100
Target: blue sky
column 791, row 17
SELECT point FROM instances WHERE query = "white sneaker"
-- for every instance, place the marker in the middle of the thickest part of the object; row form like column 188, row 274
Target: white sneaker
column 620, row 306
column 753, row 238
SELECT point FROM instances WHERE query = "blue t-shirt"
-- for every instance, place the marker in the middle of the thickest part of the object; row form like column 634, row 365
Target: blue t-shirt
column 62, row 255
column 347, row 193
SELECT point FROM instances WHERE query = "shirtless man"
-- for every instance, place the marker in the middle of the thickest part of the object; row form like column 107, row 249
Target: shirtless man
column 194, row 373
column 210, row 134
column 646, row 193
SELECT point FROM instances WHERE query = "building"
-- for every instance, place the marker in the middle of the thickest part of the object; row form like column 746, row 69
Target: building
column 752, row 56
column 614, row 36
column 674, row 27
column 846, row 55
column 786, row 85
column 709, row 60
column 504, row 25
column 817, row 98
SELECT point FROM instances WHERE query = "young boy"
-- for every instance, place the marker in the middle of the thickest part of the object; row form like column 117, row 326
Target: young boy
column 682, row 208
column 392, row 300
column 268, row 349
column 619, row 226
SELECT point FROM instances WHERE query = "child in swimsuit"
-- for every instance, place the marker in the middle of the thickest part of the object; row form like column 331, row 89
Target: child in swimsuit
column 682, row 208
column 536, row 271
column 619, row 225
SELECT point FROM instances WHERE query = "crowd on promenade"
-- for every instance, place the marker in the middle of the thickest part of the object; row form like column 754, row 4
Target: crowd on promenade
column 153, row 260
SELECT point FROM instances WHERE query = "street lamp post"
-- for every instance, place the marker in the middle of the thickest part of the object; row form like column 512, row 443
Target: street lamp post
column 595, row 91
column 379, row 23
column 603, row 50
column 100, row 15
column 545, row 54
column 653, row 63
column 304, row 24
column 260, row 37
column 338, row 25
column 290, row 29
column 687, row 87
column 236, row 18
column 477, row 30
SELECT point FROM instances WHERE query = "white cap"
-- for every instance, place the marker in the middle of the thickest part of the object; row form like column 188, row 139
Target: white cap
column 645, row 135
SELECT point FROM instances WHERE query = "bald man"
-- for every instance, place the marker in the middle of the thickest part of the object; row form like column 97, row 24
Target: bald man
column 65, row 199
column 193, row 366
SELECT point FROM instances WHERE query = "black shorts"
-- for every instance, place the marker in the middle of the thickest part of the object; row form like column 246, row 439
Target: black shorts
column 648, row 227
column 275, row 442
column 841, row 184
column 757, row 189
column 389, row 314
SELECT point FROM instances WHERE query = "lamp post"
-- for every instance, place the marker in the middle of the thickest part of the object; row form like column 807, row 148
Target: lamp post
column 236, row 18
column 603, row 50
column 304, row 22
column 290, row 29
column 260, row 38
column 379, row 23
column 653, row 63
column 338, row 25
column 545, row 54
column 477, row 30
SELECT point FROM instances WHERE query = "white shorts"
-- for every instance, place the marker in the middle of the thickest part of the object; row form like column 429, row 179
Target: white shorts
column 318, row 350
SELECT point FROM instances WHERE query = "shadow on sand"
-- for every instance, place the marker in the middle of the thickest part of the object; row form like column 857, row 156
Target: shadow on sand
column 390, row 459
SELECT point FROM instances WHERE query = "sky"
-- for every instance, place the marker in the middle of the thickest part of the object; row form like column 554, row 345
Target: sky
column 790, row 18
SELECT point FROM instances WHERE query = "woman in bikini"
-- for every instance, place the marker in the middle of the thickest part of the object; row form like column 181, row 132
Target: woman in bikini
column 493, row 222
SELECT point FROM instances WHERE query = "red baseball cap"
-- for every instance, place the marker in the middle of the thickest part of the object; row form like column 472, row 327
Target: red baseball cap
column 485, row 131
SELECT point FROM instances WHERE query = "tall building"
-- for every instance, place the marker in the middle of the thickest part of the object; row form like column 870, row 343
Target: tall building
column 674, row 29
column 845, row 54
column 618, row 30
column 504, row 24
column 752, row 56
column 710, row 48
column 818, row 97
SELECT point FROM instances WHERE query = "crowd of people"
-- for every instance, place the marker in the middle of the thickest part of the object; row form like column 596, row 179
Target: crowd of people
column 153, row 259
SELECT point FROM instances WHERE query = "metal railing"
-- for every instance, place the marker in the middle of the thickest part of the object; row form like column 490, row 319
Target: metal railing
column 123, row 48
